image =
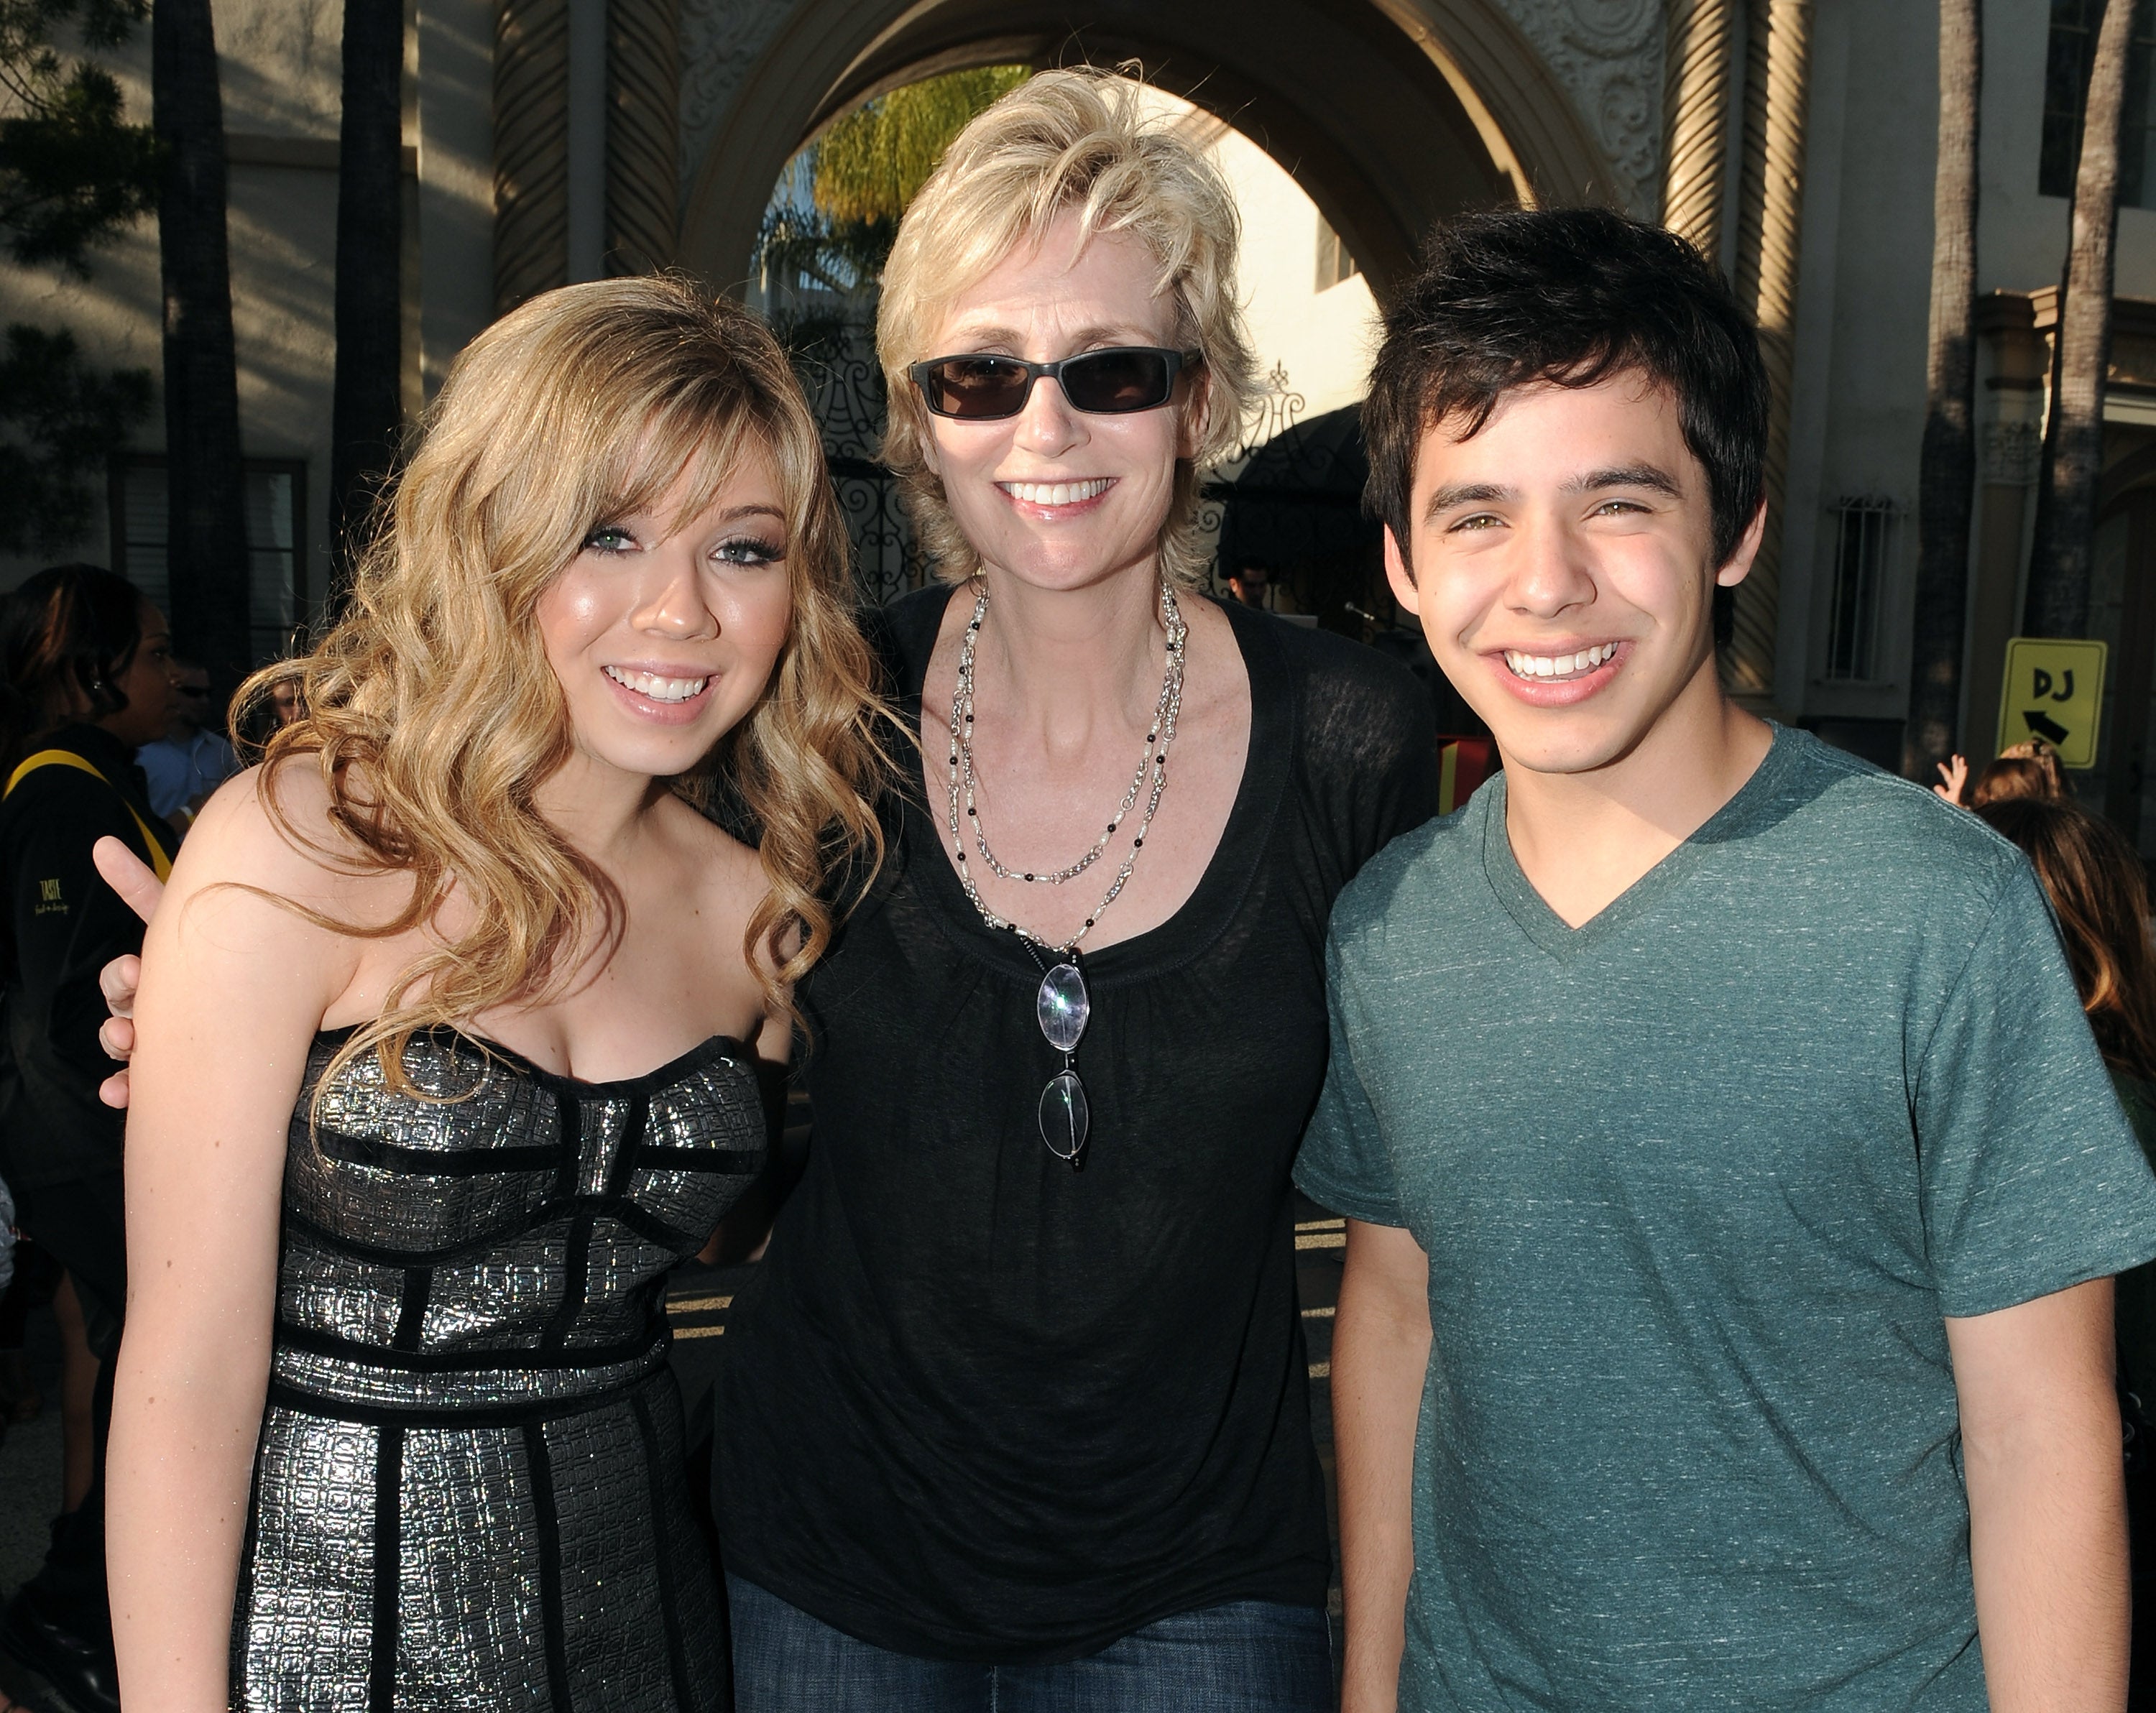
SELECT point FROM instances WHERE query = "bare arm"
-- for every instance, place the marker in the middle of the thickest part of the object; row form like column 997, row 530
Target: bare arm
column 233, row 988
column 1380, row 1350
column 2047, row 1500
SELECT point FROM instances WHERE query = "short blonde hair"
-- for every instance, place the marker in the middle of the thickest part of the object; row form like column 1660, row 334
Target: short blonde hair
column 1064, row 140
column 433, row 715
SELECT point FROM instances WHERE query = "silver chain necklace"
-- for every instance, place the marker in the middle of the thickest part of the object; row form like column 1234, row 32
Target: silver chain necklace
column 1155, row 759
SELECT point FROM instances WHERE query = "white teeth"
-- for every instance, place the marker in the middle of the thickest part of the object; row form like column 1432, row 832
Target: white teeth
column 1054, row 493
column 649, row 684
column 1526, row 666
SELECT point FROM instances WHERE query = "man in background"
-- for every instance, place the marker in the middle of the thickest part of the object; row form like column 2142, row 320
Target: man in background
column 192, row 759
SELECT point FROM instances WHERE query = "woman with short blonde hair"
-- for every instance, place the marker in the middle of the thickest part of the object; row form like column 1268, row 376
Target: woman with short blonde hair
column 1017, row 1413
column 448, row 1031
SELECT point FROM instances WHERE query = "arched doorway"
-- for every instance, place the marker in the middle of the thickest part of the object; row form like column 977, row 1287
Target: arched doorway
column 1389, row 113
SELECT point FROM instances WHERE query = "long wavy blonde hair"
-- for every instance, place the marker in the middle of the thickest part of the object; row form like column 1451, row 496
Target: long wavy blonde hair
column 1074, row 140
column 429, row 709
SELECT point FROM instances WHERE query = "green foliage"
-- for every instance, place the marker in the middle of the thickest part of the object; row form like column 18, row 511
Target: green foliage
column 72, row 171
column 870, row 165
column 59, row 420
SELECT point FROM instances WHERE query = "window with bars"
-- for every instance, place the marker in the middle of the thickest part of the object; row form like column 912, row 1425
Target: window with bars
column 1865, row 528
column 1334, row 262
column 274, row 496
column 2065, row 91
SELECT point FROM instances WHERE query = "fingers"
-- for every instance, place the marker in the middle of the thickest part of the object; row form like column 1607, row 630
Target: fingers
column 113, row 1091
column 117, row 981
column 127, row 875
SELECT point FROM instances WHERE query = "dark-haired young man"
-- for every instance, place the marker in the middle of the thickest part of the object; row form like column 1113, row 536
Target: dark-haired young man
column 1766, row 1207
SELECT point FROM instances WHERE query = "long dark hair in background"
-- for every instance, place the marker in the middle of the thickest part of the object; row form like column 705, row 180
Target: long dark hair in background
column 2101, row 893
column 74, row 628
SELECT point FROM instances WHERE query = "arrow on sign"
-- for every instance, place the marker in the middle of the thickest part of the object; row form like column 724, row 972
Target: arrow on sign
column 2044, row 727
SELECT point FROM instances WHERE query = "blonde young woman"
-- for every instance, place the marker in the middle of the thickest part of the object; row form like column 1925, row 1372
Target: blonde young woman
column 1016, row 1414
column 459, row 992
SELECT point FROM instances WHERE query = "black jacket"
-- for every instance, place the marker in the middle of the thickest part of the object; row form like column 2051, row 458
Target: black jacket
column 64, row 925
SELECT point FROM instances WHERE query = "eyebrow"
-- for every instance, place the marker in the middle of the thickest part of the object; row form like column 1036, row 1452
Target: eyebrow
column 1080, row 339
column 1467, row 494
column 1626, row 475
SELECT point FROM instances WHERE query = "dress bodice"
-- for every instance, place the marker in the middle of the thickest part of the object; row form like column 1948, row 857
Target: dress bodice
column 503, row 1238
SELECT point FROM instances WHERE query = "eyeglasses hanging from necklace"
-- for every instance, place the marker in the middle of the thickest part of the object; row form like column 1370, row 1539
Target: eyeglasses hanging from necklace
column 1061, row 1004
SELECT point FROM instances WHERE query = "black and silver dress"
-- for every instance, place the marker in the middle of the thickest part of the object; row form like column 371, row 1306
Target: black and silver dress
column 470, row 1491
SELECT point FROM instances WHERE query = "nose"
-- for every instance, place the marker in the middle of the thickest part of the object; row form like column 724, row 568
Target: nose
column 671, row 604
column 1551, row 574
column 1048, row 425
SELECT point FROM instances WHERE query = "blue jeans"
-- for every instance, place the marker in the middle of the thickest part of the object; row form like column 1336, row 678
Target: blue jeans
column 1250, row 1657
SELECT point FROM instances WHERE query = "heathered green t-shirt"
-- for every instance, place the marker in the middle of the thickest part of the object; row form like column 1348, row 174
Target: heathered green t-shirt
column 1698, row 1181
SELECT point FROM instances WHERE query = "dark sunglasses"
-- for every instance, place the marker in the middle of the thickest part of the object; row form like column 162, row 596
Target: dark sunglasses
column 1112, row 382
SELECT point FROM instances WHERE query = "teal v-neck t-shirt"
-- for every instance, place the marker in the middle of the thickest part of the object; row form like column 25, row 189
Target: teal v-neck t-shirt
column 1699, row 1182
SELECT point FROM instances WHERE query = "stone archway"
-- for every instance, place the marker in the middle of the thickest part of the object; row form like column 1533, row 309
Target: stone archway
column 1389, row 113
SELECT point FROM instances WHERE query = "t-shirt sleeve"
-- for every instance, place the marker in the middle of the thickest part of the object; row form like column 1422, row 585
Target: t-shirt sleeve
column 2031, row 1177
column 1343, row 1164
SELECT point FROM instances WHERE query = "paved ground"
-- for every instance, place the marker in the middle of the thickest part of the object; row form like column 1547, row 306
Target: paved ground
column 698, row 1301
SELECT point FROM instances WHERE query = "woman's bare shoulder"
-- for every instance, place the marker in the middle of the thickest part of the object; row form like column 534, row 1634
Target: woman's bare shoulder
column 275, row 827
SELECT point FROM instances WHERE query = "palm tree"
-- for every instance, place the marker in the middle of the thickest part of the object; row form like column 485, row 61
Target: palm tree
column 207, row 539
column 1946, row 485
column 366, row 410
column 2073, row 431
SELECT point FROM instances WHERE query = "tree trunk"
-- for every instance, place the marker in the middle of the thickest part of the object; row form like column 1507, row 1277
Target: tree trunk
column 207, row 535
column 1946, row 485
column 2081, row 352
column 368, row 412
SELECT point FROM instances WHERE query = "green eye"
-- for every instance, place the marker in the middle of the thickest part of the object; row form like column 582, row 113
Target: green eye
column 749, row 550
column 608, row 538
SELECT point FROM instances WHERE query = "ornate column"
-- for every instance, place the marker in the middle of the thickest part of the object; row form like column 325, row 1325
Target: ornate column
column 644, row 135
column 1696, row 90
column 1777, row 90
column 530, row 149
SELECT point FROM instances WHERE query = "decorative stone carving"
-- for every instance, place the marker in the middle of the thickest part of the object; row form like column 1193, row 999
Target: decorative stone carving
column 720, row 40
column 1608, row 54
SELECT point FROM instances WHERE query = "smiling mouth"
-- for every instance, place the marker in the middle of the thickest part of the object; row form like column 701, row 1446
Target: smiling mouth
column 654, row 688
column 1558, row 667
column 1057, row 493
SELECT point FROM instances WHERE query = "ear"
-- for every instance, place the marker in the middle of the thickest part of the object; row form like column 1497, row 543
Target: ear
column 1747, row 549
column 1399, row 576
column 930, row 454
column 1196, row 416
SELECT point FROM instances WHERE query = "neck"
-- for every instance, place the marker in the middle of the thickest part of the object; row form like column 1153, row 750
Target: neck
column 600, row 810
column 1064, row 665
column 1582, row 838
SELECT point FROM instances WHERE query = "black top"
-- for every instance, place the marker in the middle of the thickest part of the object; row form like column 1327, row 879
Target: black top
column 65, row 925
column 979, row 1405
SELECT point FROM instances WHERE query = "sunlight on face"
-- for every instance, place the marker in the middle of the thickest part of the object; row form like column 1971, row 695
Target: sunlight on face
column 664, row 632
column 1562, row 569
column 1058, row 497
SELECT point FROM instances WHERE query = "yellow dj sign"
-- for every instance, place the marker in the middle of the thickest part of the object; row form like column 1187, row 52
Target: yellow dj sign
column 2054, row 690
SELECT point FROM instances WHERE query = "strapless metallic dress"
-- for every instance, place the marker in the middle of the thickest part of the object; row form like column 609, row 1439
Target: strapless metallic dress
column 470, row 1491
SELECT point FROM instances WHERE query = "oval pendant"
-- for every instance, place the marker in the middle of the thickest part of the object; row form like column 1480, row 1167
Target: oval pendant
column 1063, row 1115
column 1063, row 1007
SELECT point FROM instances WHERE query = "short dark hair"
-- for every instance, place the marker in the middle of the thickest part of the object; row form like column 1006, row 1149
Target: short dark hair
column 1571, row 296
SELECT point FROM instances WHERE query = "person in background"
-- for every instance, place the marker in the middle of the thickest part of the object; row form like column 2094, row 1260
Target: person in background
column 2029, row 769
column 86, row 678
column 1249, row 582
column 2099, row 892
column 192, row 759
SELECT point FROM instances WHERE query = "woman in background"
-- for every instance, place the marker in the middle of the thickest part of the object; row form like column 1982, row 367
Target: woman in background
column 447, row 1044
column 86, row 675
column 2099, row 890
